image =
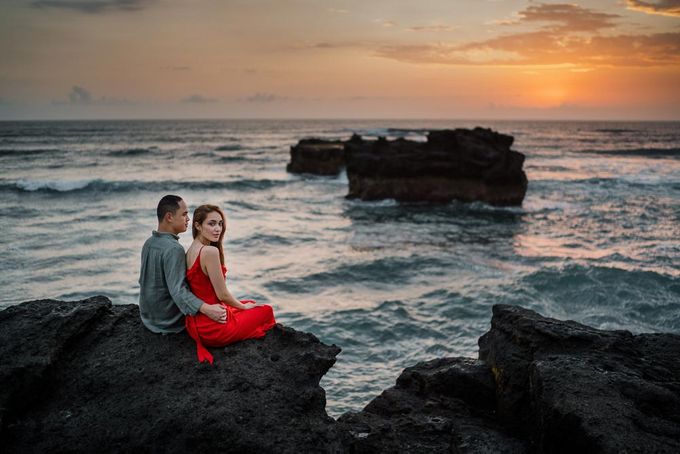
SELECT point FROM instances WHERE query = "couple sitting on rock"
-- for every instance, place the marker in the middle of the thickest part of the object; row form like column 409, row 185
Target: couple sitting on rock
column 206, row 308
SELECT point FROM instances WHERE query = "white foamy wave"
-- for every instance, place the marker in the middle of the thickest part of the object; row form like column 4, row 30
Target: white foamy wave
column 53, row 185
column 539, row 205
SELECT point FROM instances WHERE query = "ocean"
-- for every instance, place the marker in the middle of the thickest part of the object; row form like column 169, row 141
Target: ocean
column 597, row 239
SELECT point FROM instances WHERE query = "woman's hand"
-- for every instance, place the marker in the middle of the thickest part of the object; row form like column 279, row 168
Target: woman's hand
column 215, row 312
column 245, row 303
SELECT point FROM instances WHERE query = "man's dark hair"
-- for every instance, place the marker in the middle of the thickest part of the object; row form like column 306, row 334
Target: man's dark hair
column 168, row 204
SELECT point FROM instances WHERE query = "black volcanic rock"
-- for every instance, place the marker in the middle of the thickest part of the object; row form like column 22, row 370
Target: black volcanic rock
column 86, row 376
column 461, row 164
column 317, row 156
column 573, row 388
column 440, row 406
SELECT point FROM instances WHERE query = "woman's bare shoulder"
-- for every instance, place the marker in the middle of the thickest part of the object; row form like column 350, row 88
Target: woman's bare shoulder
column 210, row 251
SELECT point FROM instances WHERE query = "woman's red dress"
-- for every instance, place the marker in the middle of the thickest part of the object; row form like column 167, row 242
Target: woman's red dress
column 241, row 323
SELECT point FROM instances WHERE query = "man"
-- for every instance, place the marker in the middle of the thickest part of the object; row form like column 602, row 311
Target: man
column 164, row 297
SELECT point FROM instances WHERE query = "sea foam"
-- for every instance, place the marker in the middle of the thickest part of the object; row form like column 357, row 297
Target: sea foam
column 53, row 185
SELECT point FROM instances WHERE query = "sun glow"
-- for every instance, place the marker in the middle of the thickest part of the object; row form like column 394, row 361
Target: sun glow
column 225, row 59
column 551, row 96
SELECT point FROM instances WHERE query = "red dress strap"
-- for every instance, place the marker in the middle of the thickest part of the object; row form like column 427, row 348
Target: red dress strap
column 198, row 257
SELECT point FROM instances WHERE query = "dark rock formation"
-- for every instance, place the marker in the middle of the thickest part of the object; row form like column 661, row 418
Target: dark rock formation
column 573, row 388
column 541, row 385
column 440, row 406
column 88, row 377
column 460, row 164
column 317, row 156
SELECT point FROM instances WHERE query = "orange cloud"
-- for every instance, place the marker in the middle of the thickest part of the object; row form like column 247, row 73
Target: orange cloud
column 569, row 37
column 663, row 7
column 547, row 48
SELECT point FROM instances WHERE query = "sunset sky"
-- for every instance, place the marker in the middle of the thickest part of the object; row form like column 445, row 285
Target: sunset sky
column 596, row 59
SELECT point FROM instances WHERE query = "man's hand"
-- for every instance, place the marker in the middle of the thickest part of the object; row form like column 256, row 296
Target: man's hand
column 215, row 312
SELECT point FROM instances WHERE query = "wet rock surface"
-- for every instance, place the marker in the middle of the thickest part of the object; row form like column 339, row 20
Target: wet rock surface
column 439, row 406
column 571, row 388
column 86, row 376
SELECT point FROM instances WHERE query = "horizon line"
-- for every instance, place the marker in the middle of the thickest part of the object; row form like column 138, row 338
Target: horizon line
column 543, row 120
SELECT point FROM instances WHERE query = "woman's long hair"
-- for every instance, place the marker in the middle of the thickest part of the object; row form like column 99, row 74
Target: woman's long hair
column 200, row 214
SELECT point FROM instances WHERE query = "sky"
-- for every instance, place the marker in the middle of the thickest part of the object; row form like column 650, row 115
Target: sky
column 465, row 59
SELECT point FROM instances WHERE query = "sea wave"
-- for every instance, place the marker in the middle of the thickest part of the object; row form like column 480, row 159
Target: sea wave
column 218, row 157
column 231, row 158
column 30, row 151
column 608, row 285
column 390, row 132
column 370, row 273
column 649, row 152
column 203, row 154
column 52, row 185
column 260, row 239
column 408, row 131
column 232, row 147
column 99, row 185
column 659, row 181
column 127, row 152
column 604, row 296
column 615, row 130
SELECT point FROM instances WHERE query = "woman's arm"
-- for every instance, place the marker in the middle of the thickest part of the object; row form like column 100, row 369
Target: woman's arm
column 210, row 259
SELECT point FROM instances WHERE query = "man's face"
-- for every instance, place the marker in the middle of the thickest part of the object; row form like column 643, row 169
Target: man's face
column 179, row 220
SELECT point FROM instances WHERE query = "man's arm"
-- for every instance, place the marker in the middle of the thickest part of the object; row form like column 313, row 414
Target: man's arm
column 174, row 268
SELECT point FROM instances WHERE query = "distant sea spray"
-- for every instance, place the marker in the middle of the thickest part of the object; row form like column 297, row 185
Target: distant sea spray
column 99, row 185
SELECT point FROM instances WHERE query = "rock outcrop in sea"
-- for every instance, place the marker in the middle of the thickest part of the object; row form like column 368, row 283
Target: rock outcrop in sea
column 86, row 376
column 462, row 164
column 317, row 156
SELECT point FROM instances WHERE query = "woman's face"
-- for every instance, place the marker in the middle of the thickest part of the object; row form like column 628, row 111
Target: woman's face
column 212, row 227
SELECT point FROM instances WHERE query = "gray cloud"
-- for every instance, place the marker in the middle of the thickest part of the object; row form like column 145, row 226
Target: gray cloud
column 93, row 6
column 663, row 7
column 431, row 28
column 325, row 45
column 80, row 96
column 264, row 97
column 362, row 98
column 565, row 17
column 385, row 22
column 197, row 99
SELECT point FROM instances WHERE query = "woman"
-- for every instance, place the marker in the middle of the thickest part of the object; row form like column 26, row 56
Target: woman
column 206, row 277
